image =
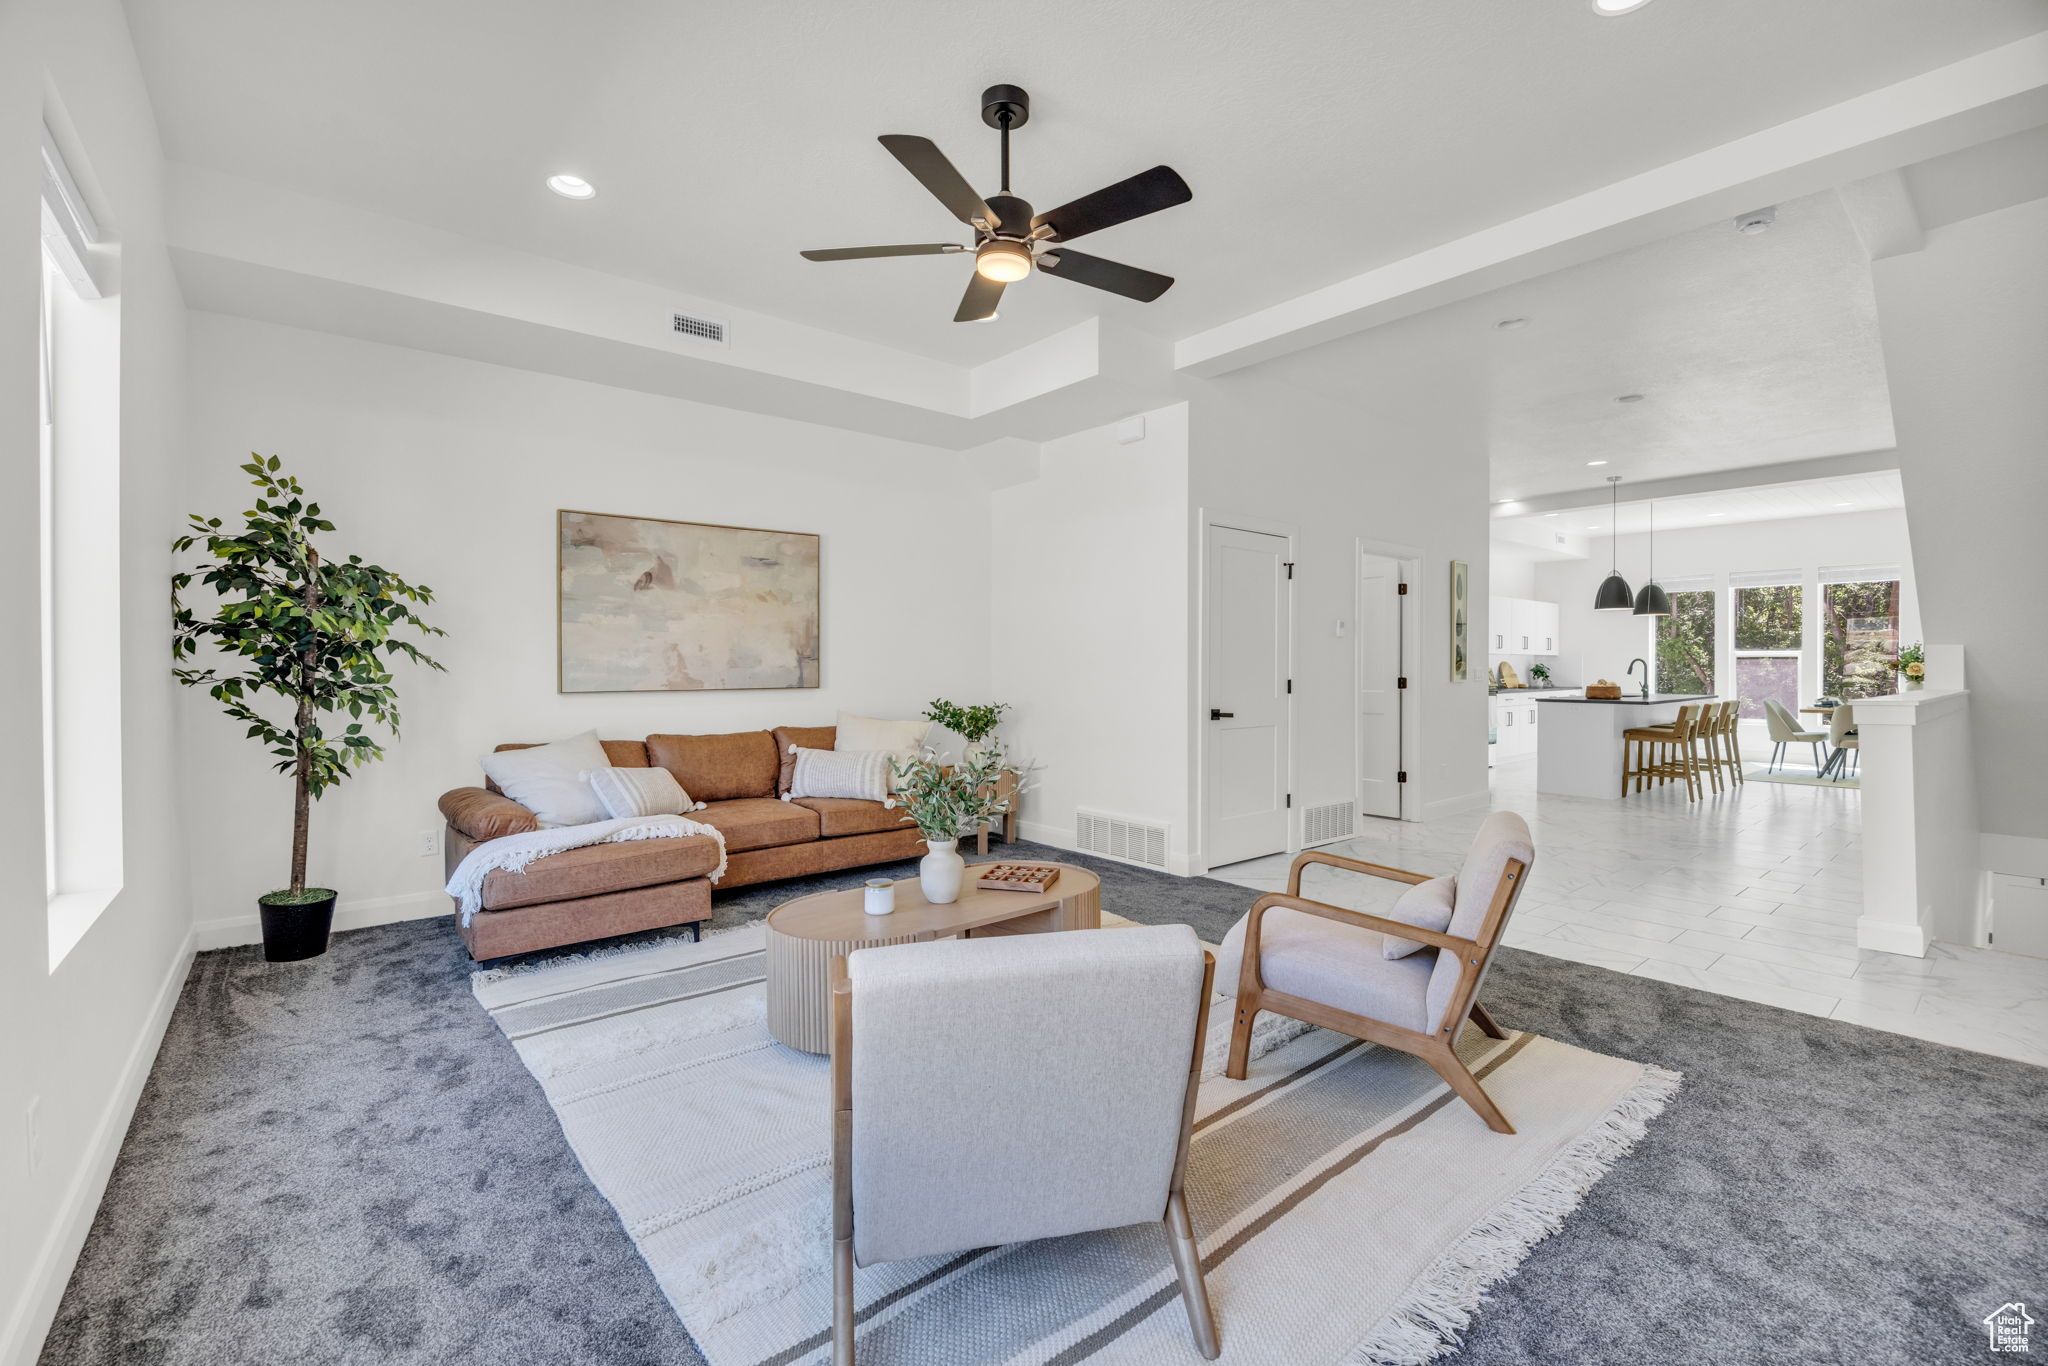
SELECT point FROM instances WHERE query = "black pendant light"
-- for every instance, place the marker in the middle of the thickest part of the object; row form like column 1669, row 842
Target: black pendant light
column 1653, row 601
column 1614, row 594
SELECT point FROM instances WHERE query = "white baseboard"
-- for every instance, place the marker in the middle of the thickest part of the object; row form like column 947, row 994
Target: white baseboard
column 229, row 931
column 1888, row 936
column 51, row 1270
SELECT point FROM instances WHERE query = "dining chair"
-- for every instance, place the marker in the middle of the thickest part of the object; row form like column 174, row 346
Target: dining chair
column 992, row 1091
column 1842, row 736
column 1785, row 730
column 1405, row 986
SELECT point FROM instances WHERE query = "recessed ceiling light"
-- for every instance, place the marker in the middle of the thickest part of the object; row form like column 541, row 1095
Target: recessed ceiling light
column 1510, row 324
column 1550, row 514
column 1845, row 505
column 1759, row 220
column 1717, row 514
column 1610, row 8
column 1629, row 398
column 1594, row 527
column 1596, row 462
column 572, row 187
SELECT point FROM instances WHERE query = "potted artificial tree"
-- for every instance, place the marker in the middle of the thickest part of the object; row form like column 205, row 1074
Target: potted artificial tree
column 315, row 632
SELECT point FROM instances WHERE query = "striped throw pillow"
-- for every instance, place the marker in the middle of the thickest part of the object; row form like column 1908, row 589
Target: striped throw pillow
column 639, row 792
column 862, row 774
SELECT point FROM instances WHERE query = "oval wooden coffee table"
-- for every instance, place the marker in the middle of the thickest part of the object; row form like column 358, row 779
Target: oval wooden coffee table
column 805, row 935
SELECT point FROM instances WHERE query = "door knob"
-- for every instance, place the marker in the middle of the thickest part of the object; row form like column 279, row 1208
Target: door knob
column 1215, row 715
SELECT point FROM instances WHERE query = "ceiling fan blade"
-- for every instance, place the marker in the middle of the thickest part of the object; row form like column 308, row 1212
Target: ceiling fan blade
column 1146, row 192
column 1114, row 276
column 923, row 159
column 862, row 253
column 979, row 302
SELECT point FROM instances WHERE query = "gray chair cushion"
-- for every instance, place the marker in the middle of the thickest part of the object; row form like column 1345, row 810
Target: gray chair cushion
column 1341, row 966
column 1503, row 836
column 1019, row 1087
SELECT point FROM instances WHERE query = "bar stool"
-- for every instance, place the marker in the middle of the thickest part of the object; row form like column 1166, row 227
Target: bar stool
column 1723, row 741
column 1663, row 753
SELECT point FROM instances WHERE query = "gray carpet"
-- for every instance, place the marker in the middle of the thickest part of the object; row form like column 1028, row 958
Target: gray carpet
column 343, row 1161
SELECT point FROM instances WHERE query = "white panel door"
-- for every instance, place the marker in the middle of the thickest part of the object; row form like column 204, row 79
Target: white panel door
column 1379, row 691
column 1245, row 785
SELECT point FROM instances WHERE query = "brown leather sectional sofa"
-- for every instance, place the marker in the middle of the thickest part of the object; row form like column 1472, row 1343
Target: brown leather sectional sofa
column 613, row 889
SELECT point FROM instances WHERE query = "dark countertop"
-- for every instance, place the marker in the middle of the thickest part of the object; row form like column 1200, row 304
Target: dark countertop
column 1637, row 699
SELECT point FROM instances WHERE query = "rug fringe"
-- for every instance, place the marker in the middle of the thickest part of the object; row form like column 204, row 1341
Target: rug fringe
column 1269, row 1032
column 1431, row 1319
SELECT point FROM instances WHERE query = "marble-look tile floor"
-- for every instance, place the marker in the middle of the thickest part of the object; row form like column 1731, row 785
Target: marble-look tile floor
column 1752, row 893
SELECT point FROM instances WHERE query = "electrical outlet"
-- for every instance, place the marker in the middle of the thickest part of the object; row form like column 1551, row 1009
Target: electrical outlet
column 430, row 841
column 35, row 1133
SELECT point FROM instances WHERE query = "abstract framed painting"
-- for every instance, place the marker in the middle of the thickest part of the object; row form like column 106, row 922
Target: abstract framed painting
column 1461, row 621
column 646, row 605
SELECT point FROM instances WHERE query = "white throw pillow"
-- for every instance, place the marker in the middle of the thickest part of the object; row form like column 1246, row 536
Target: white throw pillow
column 902, row 741
column 859, row 774
column 1427, row 906
column 639, row 792
column 548, row 780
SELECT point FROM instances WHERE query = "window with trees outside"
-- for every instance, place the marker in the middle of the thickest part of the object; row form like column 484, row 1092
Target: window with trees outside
column 1685, row 642
column 1859, row 637
column 1769, row 629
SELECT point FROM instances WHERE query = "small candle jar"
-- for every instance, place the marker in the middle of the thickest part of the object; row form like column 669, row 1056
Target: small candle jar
column 880, row 896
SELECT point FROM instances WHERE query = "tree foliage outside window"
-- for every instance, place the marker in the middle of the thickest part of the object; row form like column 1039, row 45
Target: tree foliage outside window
column 1769, row 618
column 1859, row 638
column 1685, row 644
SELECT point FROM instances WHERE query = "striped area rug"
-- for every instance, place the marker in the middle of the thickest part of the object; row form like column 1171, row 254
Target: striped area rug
column 1350, row 1209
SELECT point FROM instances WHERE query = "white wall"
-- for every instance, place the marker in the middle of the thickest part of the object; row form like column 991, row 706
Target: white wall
column 1965, row 327
column 449, row 472
column 1405, row 470
column 1089, row 594
column 79, row 1039
column 1601, row 644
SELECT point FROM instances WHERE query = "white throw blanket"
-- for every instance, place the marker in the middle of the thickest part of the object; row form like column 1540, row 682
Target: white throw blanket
column 512, row 853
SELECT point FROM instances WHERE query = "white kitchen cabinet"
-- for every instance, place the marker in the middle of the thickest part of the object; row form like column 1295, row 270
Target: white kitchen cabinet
column 1521, row 626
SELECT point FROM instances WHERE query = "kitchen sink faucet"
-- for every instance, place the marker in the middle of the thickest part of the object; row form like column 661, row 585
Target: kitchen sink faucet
column 1646, row 674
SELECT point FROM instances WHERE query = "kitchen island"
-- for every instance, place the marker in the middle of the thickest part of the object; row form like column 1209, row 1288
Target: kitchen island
column 1579, row 753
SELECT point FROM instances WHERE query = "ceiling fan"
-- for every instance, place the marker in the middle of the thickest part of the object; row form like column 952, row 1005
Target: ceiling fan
column 1009, row 241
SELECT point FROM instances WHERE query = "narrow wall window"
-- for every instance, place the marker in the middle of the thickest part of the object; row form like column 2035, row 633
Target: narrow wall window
column 1859, row 636
column 1685, row 641
column 1769, row 638
column 80, row 642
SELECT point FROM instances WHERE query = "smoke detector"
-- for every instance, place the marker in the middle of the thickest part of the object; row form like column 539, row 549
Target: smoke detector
column 1756, row 221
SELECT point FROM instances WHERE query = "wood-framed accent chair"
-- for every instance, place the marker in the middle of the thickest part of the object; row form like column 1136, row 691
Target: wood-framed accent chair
column 991, row 1091
column 1328, row 965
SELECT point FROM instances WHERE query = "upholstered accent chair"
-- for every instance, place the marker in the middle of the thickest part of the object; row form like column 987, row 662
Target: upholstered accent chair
column 1785, row 730
column 1330, row 966
column 990, row 1091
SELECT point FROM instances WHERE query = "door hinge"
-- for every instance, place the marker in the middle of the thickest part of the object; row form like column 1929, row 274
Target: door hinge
column 1290, row 567
column 1290, row 685
column 1400, row 682
column 1290, row 799
column 1402, row 776
column 1402, row 590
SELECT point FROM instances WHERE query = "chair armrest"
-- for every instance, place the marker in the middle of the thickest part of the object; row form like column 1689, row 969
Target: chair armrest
column 1343, row 916
column 1309, row 856
column 484, row 815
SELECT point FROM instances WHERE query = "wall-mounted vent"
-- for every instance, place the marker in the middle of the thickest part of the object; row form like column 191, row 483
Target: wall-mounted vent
column 1120, row 838
column 1331, row 821
column 710, row 331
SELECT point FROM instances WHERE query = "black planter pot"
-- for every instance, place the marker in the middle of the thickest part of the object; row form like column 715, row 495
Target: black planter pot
column 296, row 930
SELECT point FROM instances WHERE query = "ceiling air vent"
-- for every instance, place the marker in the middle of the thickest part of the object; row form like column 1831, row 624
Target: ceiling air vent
column 709, row 331
column 1331, row 821
column 1120, row 838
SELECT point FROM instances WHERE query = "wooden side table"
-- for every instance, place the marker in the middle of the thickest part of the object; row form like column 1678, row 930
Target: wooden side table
column 1005, row 786
column 805, row 935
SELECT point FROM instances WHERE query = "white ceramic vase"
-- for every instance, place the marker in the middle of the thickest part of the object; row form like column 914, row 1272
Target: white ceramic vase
column 1915, row 684
column 940, row 872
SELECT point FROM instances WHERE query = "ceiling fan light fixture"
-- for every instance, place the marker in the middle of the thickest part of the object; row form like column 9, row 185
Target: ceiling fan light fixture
column 1003, row 262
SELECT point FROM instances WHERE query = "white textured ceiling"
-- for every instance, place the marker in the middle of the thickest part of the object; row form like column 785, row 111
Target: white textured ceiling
column 1747, row 350
column 1322, row 137
column 1761, row 503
